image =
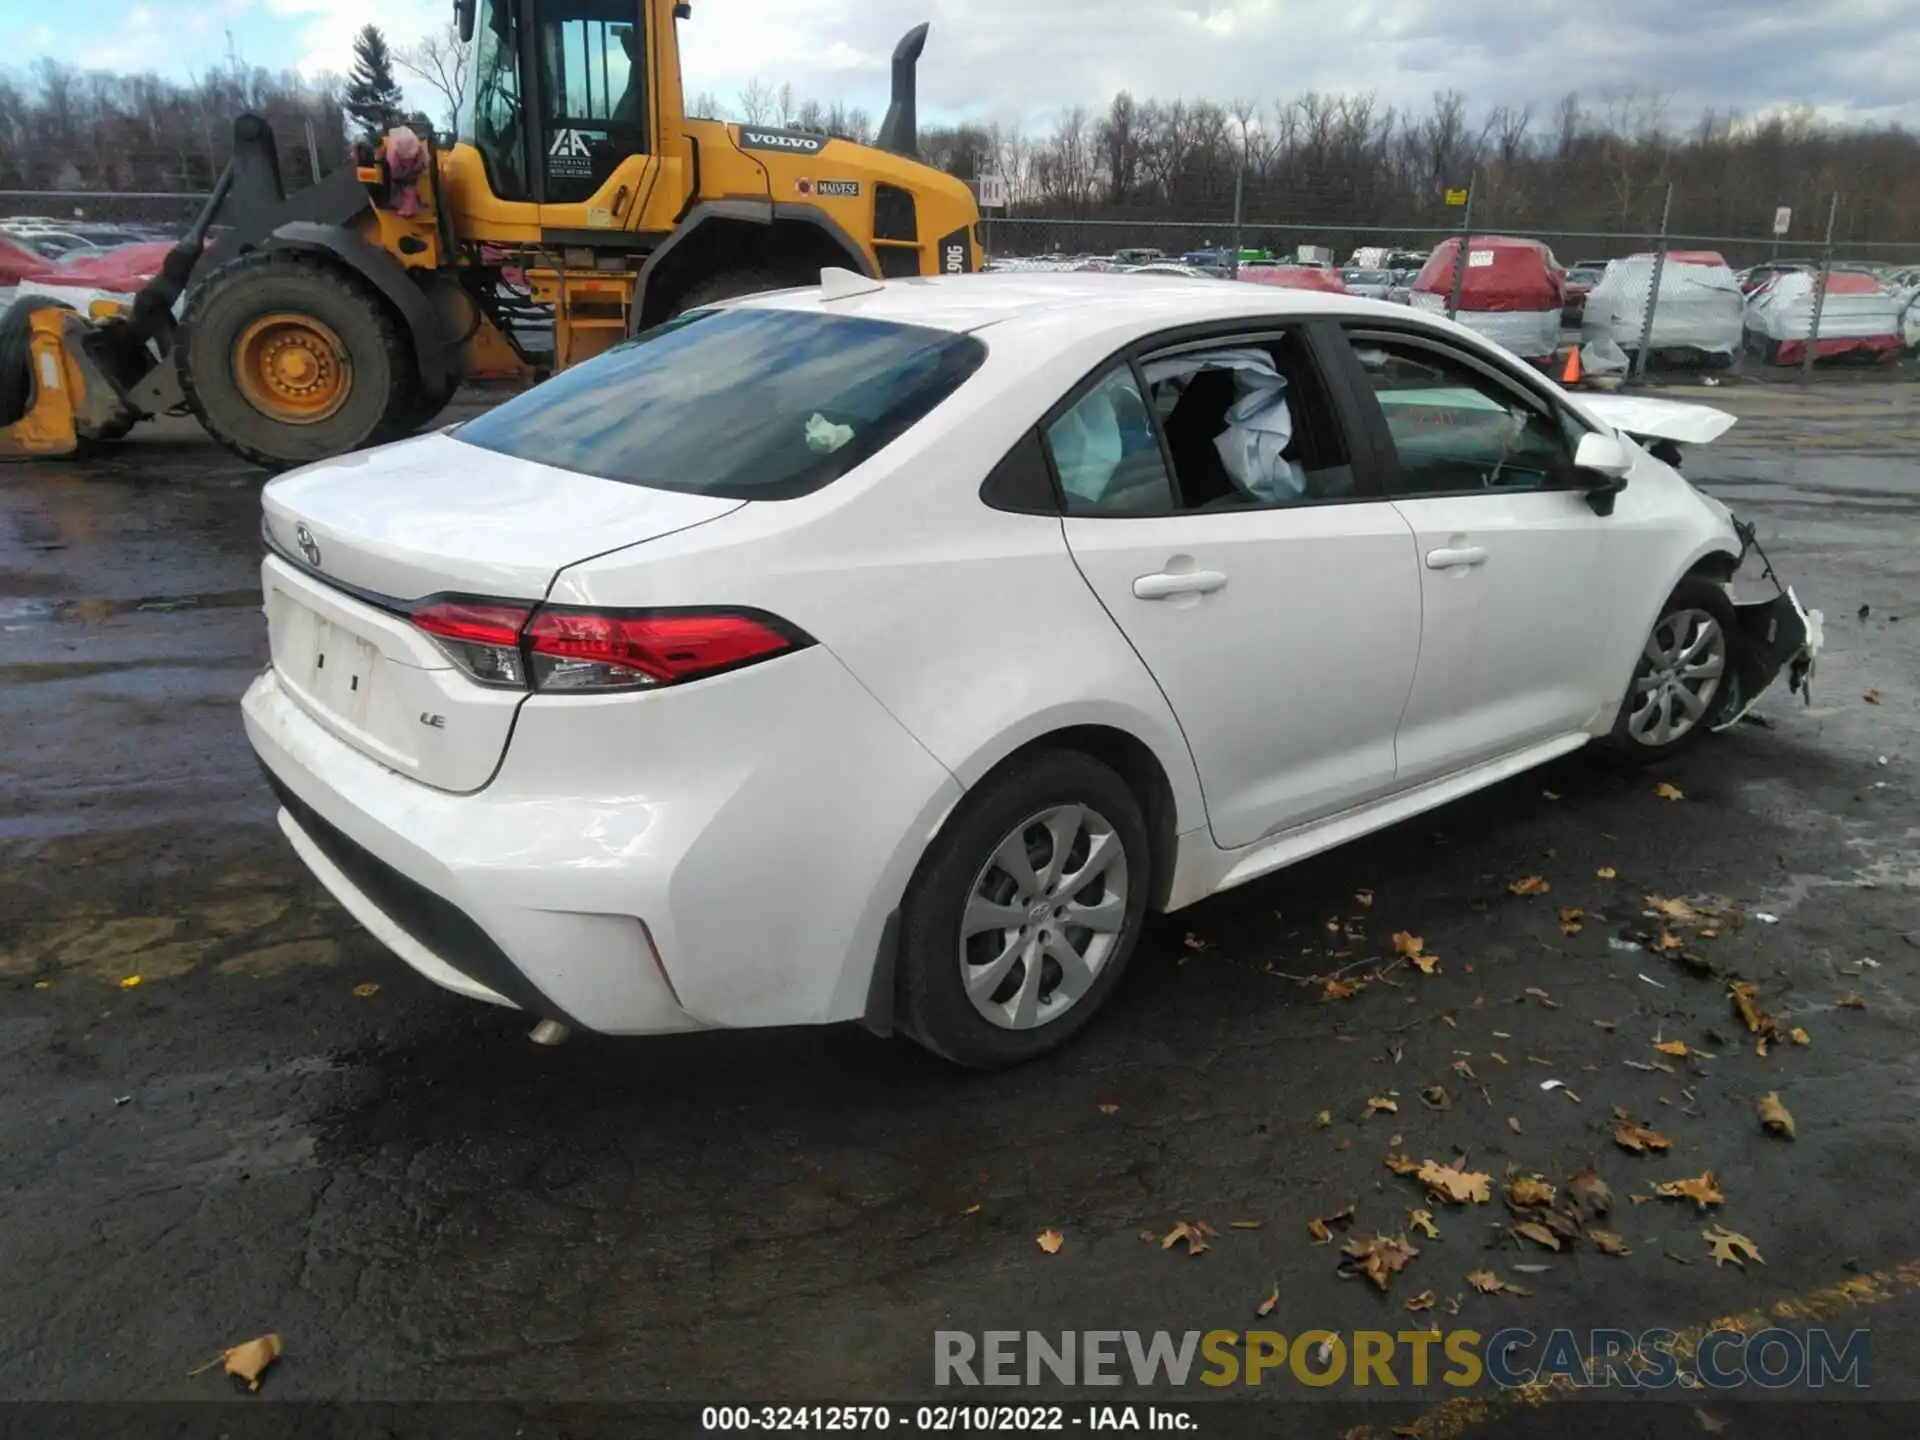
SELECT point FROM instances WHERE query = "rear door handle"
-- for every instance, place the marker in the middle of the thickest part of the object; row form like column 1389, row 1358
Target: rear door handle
column 1465, row 557
column 1190, row 582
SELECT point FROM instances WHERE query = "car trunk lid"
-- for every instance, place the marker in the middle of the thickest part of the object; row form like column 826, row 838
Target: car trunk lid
column 362, row 540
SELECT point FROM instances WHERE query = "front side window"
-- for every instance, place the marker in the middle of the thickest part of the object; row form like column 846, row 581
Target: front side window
column 745, row 404
column 593, row 69
column 1457, row 430
column 490, row 117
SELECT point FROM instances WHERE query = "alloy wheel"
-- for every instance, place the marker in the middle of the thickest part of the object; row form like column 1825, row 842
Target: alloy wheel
column 1681, row 670
column 1043, row 917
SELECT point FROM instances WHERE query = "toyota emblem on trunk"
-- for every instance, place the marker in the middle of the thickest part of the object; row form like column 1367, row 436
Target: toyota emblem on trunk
column 309, row 547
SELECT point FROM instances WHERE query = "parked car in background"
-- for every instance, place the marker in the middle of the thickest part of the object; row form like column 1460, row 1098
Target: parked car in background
column 835, row 506
column 55, row 244
column 1174, row 267
column 1295, row 277
column 1139, row 255
column 1755, row 276
column 1580, row 281
column 1373, row 284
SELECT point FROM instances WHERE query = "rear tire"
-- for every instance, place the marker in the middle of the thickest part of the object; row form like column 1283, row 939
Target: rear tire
column 349, row 360
column 966, row 991
column 1670, row 702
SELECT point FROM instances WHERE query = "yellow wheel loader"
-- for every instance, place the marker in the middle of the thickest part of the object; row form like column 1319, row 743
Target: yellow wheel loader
column 578, row 205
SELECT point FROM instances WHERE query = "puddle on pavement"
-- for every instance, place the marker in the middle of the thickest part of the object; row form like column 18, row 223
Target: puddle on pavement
column 24, row 612
column 238, row 932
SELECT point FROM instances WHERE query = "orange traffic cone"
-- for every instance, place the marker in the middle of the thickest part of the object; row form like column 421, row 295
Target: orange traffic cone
column 1571, row 375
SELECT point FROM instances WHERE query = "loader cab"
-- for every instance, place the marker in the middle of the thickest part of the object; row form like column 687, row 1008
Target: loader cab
column 558, row 95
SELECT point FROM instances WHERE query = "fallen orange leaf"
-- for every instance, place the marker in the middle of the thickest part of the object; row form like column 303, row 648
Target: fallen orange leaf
column 1527, row 1191
column 1425, row 964
column 1050, row 1241
column 248, row 1361
column 1192, row 1234
column 1671, row 909
column 1487, row 1283
column 1606, row 872
column 1668, row 791
column 1608, row 1243
column 1454, row 1185
column 1639, row 1139
column 1408, row 944
column 1728, row 1244
column 1380, row 1104
column 1422, row 1301
column 1703, row 1190
column 1380, row 1258
column 1775, row 1116
column 1676, row 1048
column 1530, row 885
column 1266, row 1306
column 1539, row 1234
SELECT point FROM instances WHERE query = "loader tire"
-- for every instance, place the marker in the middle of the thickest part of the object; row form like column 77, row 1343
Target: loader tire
column 286, row 358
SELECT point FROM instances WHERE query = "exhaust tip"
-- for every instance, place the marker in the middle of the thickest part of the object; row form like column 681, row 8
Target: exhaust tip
column 550, row 1032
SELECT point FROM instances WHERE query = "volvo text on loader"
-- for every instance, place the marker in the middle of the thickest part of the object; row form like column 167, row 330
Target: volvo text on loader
column 577, row 197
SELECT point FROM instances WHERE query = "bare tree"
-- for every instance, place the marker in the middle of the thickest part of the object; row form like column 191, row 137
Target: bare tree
column 438, row 60
column 757, row 101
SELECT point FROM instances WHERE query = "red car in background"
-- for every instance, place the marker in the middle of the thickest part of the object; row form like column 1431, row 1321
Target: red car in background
column 1295, row 277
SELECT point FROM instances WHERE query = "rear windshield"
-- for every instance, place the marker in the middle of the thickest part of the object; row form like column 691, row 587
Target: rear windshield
column 744, row 404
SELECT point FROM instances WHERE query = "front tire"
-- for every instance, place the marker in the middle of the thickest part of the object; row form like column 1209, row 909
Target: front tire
column 1024, row 912
column 1684, row 678
column 286, row 359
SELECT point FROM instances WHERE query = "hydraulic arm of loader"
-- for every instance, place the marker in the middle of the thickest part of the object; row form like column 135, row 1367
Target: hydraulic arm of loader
column 112, row 372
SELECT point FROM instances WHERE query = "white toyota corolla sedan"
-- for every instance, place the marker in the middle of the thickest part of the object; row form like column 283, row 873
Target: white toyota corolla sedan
column 885, row 652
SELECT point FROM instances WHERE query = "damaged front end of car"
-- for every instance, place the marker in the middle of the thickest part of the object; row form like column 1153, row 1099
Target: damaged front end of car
column 1777, row 634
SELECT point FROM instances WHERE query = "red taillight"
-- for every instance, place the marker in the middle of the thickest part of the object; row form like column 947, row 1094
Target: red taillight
column 482, row 637
column 597, row 650
column 591, row 650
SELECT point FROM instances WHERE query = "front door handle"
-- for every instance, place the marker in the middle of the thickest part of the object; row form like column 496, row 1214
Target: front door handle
column 1463, row 557
column 1190, row 582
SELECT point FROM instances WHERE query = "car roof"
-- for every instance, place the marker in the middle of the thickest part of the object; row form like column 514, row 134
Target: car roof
column 1070, row 304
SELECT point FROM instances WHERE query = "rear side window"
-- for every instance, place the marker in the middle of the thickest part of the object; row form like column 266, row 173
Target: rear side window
column 741, row 404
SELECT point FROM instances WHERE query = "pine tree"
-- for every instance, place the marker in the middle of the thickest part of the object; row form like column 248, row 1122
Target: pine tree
column 373, row 95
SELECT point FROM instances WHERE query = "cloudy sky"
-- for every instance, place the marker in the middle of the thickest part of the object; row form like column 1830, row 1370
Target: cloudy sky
column 1022, row 60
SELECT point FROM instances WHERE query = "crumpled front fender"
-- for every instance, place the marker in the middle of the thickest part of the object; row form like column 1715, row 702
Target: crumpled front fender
column 1775, row 635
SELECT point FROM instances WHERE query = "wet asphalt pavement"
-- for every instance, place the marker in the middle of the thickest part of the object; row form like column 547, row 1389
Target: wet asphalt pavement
column 425, row 1206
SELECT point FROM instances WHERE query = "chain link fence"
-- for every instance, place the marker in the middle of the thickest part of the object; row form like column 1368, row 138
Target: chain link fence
column 1760, row 304
column 1665, row 308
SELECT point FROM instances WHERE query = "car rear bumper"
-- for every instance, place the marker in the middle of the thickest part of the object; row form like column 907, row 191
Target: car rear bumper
column 724, row 855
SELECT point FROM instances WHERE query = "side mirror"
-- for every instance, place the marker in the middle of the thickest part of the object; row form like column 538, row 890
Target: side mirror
column 1603, row 462
column 463, row 12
